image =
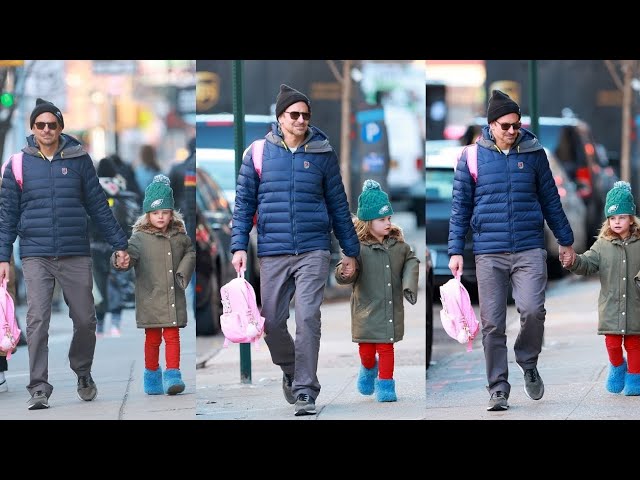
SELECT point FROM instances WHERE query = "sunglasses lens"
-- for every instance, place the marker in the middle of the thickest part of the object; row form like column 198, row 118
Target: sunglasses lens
column 51, row 125
column 295, row 115
column 507, row 126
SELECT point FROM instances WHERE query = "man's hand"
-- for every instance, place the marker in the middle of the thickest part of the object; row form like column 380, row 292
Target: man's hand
column 567, row 255
column 239, row 260
column 455, row 264
column 122, row 259
column 4, row 271
column 348, row 266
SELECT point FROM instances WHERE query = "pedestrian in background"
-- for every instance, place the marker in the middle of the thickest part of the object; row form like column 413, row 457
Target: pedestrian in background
column 148, row 167
column 615, row 256
column 506, row 207
column 60, row 187
column 299, row 199
column 386, row 272
column 164, row 259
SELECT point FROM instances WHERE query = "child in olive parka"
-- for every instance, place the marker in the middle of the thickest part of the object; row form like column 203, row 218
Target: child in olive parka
column 615, row 256
column 387, row 272
column 164, row 259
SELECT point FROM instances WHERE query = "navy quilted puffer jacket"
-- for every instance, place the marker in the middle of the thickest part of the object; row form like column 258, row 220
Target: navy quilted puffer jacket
column 50, row 212
column 300, row 199
column 510, row 202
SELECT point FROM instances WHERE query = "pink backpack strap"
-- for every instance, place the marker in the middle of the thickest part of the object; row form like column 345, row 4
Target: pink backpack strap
column 472, row 161
column 16, row 167
column 256, row 154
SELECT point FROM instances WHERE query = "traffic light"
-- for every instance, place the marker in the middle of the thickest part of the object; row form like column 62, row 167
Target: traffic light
column 7, row 100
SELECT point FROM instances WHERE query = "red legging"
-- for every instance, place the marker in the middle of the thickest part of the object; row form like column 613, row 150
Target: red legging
column 385, row 358
column 631, row 345
column 152, row 341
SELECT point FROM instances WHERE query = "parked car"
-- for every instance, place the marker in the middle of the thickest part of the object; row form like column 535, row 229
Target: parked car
column 212, row 271
column 429, row 319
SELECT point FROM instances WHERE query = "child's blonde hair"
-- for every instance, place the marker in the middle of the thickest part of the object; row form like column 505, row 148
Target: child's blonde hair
column 143, row 219
column 363, row 230
column 608, row 234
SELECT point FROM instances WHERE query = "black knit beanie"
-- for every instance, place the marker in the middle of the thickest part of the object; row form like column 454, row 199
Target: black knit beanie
column 289, row 96
column 501, row 104
column 44, row 106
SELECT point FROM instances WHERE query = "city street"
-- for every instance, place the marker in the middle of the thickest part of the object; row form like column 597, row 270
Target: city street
column 573, row 365
column 221, row 395
column 117, row 370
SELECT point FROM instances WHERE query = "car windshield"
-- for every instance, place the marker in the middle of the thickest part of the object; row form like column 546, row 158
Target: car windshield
column 439, row 184
column 220, row 134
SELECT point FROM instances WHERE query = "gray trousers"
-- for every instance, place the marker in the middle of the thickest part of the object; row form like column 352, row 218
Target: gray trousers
column 76, row 281
column 282, row 277
column 527, row 272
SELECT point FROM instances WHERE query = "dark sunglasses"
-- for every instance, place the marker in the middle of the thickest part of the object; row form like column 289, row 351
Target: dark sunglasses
column 51, row 125
column 295, row 115
column 507, row 126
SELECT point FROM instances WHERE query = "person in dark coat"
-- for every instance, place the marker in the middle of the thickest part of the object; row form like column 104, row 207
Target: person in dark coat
column 300, row 199
column 506, row 208
column 49, row 212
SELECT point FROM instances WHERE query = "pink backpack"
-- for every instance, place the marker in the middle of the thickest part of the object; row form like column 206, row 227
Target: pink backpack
column 257, row 148
column 9, row 331
column 16, row 167
column 240, row 321
column 457, row 315
column 472, row 160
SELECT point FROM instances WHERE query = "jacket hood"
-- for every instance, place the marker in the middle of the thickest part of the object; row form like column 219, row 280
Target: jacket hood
column 316, row 141
column 395, row 235
column 526, row 141
column 177, row 226
column 68, row 146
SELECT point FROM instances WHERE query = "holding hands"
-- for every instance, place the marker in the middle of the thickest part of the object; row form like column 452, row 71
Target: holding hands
column 122, row 259
column 567, row 255
column 348, row 267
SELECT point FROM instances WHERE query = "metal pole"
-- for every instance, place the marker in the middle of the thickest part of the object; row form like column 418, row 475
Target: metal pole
column 238, row 123
column 533, row 96
column 345, row 127
column 625, row 162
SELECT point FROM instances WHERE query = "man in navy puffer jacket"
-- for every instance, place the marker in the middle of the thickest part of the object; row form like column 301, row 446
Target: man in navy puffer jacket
column 506, row 208
column 49, row 213
column 299, row 199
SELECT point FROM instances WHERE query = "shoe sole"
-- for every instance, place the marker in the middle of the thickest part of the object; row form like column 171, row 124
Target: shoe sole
column 175, row 389
column 301, row 413
column 525, row 387
column 38, row 406
column 88, row 399
column 498, row 408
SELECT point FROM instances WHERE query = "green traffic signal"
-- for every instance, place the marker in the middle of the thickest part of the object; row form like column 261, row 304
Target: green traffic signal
column 6, row 100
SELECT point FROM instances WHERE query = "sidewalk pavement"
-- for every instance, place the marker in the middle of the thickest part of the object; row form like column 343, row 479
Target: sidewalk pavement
column 117, row 370
column 222, row 396
column 573, row 365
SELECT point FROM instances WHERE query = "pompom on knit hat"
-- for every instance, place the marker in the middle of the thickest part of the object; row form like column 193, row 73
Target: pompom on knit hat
column 620, row 200
column 158, row 195
column 44, row 106
column 501, row 104
column 373, row 202
column 289, row 96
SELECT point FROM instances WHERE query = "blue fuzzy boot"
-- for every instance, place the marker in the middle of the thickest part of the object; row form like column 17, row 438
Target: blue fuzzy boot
column 153, row 382
column 615, row 380
column 366, row 379
column 386, row 390
column 632, row 384
column 172, row 381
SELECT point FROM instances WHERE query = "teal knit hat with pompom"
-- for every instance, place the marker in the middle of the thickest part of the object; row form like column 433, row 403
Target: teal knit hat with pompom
column 620, row 200
column 373, row 202
column 158, row 195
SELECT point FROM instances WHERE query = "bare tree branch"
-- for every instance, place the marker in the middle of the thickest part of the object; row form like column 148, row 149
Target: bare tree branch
column 335, row 71
column 614, row 75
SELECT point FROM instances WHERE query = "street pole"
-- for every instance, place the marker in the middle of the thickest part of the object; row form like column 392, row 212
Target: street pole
column 625, row 161
column 238, row 120
column 345, row 127
column 533, row 96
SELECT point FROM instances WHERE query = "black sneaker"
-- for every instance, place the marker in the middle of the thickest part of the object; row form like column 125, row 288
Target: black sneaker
column 87, row 389
column 533, row 385
column 498, row 402
column 287, row 383
column 305, row 405
column 38, row 401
